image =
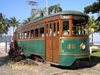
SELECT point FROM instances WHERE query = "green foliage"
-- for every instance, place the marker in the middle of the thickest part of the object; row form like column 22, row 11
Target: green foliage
column 54, row 9
column 26, row 21
column 94, row 8
column 51, row 9
column 4, row 24
column 92, row 25
column 36, row 12
column 97, row 22
column 14, row 22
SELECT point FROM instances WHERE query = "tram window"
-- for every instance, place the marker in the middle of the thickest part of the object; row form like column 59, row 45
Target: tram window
column 79, row 28
column 22, row 35
column 25, row 34
column 19, row 35
column 32, row 33
column 36, row 32
column 54, row 29
column 65, row 27
column 28, row 34
column 50, row 29
column 47, row 29
column 42, row 32
column 57, row 28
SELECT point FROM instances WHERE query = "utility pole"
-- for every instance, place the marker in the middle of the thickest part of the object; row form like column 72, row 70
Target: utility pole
column 47, row 6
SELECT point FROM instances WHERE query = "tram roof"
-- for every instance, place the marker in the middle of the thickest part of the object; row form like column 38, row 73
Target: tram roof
column 68, row 12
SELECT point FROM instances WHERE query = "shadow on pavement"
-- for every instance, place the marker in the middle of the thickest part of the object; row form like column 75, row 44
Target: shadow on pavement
column 3, row 60
column 93, row 63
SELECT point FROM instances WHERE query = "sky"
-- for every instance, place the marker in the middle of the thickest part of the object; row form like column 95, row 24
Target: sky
column 21, row 10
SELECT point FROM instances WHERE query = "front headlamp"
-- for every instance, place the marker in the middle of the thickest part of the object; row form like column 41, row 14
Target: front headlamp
column 82, row 46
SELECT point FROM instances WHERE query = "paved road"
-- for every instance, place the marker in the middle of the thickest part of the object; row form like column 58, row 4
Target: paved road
column 44, row 69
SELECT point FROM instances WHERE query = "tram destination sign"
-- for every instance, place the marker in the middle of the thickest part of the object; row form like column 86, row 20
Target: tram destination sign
column 79, row 17
column 65, row 17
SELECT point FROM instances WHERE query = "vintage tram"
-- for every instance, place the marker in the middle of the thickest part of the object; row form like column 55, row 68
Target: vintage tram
column 60, row 38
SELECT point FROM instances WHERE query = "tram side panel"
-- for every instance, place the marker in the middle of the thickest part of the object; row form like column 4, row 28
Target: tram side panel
column 70, row 50
column 33, row 46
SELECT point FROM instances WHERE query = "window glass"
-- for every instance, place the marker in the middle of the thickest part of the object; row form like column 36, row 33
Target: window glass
column 54, row 34
column 57, row 28
column 17, row 35
column 36, row 32
column 42, row 32
column 65, row 27
column 50, row 29
column 47, row 29
column 28, row 34
column 25, row 34
column 79, row 28
column 32, row 33
column 22, row 35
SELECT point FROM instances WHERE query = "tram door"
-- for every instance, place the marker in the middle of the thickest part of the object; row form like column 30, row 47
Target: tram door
column 52, row 41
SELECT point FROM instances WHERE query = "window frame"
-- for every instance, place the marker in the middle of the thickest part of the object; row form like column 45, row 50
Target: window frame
column 70, row 28
column 31, row 33
column 84, row 27
column 38, row 31
column 44, row 31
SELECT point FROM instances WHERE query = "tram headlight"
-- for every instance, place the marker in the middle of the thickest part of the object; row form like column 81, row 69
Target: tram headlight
column 82, row 46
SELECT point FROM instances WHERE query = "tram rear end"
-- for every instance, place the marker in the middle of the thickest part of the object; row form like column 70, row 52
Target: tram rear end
column 74, row 50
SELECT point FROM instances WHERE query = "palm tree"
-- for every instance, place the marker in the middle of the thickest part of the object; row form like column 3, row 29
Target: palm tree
column 4, row 24
column 92, row 26
column 54, row 9
column 26, row 21
column 14, row 23
column 36, row 12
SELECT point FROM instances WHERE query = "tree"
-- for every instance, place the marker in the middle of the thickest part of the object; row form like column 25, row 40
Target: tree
column 26, row 21
column 14, row 23
column 51, row 9
column 4, row 24
column 54, row 9
column 94, row 8
column 97, row 22
column 92, row 24
column 36, row 12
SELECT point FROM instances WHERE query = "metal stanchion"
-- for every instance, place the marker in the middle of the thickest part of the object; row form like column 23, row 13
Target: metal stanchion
column 6, row 46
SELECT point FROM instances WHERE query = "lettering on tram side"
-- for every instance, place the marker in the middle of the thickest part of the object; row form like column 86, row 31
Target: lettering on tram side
column 71, row 46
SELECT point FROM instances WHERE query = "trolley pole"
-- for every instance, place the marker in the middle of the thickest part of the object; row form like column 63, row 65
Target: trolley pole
column 47, row 6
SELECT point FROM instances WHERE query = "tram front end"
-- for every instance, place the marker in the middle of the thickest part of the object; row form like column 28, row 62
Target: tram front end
column 74, row 49
column 74, row 52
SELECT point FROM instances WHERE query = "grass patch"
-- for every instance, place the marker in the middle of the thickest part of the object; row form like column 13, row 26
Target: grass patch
column 95, row 49
column 95, row 56
column 12, row 62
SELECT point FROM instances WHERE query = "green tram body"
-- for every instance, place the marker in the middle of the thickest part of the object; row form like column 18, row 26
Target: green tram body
column 69, row 48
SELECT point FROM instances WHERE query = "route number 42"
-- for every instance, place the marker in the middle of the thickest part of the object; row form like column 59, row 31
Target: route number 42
column 71, row 46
